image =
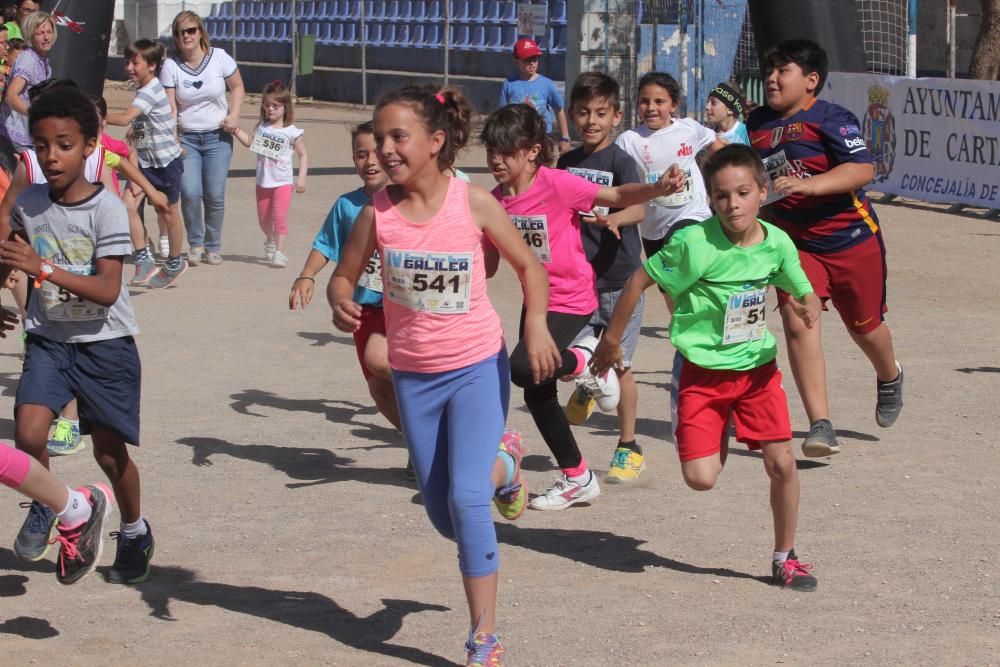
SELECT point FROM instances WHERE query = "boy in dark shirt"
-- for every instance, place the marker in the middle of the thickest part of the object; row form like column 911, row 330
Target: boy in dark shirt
column 818, row 163
column 612, row 244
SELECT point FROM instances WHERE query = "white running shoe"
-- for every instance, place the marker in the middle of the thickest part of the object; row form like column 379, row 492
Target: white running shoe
column 603, row 389
column 564, row 493
column 269, row 249
column 279, row 261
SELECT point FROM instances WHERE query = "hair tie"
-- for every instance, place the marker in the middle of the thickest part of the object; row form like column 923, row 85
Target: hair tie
column 439, row 97
column 277, row 82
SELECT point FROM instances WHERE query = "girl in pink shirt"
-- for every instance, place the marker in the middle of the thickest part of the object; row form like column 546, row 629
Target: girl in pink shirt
column 449, row 363
column 543, row 204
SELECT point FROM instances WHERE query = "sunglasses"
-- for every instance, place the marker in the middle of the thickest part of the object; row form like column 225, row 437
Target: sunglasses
column 189, row 31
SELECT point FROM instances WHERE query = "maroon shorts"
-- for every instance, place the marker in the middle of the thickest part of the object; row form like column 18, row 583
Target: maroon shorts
column 372, row 322
column 706, row 398
column 854, row 279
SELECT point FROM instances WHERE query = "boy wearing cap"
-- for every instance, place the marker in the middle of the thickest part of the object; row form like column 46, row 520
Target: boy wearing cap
column 530, row 87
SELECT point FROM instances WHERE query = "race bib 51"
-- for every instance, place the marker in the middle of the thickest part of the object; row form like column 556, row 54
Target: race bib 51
column 745, row 314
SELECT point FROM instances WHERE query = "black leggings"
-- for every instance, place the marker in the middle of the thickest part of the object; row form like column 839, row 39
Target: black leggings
column 542, row 399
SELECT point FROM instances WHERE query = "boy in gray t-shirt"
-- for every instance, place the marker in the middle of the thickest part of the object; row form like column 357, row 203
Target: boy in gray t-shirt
column 72, row 236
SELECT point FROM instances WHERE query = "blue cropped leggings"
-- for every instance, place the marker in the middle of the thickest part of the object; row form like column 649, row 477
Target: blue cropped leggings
column 453, row 422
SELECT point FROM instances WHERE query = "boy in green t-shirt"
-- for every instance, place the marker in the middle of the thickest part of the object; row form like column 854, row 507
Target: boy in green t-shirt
column 717, row 272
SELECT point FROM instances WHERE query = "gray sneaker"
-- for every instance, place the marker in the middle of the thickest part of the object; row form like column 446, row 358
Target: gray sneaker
column 890, row 400
column 213, row 258
column 32, row 542
column 195, row 256
column 144, row 270
column 165, row 277
column 821, row 440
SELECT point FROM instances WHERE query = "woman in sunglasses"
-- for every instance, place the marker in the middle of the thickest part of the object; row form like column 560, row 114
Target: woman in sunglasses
column 196, row 79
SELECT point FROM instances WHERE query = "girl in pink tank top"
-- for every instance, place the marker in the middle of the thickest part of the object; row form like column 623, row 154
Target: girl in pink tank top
column 449, row 364
column 543, row 204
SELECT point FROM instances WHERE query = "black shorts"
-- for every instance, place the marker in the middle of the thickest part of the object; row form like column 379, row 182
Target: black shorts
column 167, row 179
column 105, row 377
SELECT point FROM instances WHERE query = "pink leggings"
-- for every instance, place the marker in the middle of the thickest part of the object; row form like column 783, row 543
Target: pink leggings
column 272, row 209
column 14, row 466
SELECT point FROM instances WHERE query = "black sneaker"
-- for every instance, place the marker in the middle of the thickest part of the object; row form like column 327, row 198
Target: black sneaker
column 80, row 547
column 132, row 557
column 32, row 542
column 890, row 400
column 821, row 440
column 793, row 574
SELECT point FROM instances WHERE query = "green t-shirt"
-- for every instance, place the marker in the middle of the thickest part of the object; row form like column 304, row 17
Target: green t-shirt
column 13, row 30
column 719, row 293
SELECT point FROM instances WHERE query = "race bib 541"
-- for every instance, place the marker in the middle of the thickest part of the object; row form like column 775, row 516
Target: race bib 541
column 435, row 282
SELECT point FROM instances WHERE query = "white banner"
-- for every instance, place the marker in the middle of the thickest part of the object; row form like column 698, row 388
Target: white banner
column 936, row 140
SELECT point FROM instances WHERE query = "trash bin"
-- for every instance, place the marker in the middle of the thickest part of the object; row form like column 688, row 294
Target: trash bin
column 306, row 48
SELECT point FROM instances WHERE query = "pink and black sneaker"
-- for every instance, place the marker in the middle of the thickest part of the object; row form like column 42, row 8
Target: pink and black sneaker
column 80, row 546
column 792, row 574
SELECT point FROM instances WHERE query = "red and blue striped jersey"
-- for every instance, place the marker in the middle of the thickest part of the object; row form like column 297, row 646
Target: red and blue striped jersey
column 814, row 141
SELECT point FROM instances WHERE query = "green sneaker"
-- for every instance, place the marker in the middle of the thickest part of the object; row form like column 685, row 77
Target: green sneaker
column 66, row 439
column 513, row 498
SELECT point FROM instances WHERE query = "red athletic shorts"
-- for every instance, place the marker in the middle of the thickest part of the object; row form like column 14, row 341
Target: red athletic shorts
column 706, row 398
column 372, row 322
column 854, row 279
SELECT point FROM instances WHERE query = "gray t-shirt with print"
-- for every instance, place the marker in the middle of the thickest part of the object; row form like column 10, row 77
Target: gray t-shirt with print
column 73, row 237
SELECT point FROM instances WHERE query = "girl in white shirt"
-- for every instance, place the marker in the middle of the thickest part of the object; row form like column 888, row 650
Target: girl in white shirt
column 274, row 139
column 659, row 142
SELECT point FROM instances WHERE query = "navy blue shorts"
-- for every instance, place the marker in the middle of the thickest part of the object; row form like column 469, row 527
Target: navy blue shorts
column 167, row 179
column 104, row 376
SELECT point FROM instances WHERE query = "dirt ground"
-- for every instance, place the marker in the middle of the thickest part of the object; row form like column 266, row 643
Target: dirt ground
column 287, row 534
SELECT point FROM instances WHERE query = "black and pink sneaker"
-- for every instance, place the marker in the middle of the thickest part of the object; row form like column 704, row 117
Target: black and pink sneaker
column 792, row 574
column 80, row 547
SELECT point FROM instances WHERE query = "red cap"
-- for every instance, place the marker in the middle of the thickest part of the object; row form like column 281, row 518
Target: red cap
column 526, row 48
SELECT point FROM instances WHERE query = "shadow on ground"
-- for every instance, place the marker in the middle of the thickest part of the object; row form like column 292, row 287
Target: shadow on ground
column 299, row 609
column 338, row 411
column 323, row 338
column 311, row 465
column 604, row 550
column 981, row 369
column 29, row 628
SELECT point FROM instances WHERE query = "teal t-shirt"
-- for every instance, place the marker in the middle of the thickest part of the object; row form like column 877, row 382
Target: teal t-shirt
column 719, row 293
column 333, row 235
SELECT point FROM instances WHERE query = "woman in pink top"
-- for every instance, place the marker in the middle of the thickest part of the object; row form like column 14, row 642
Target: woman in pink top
column 543, row 204
column 449, row 364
